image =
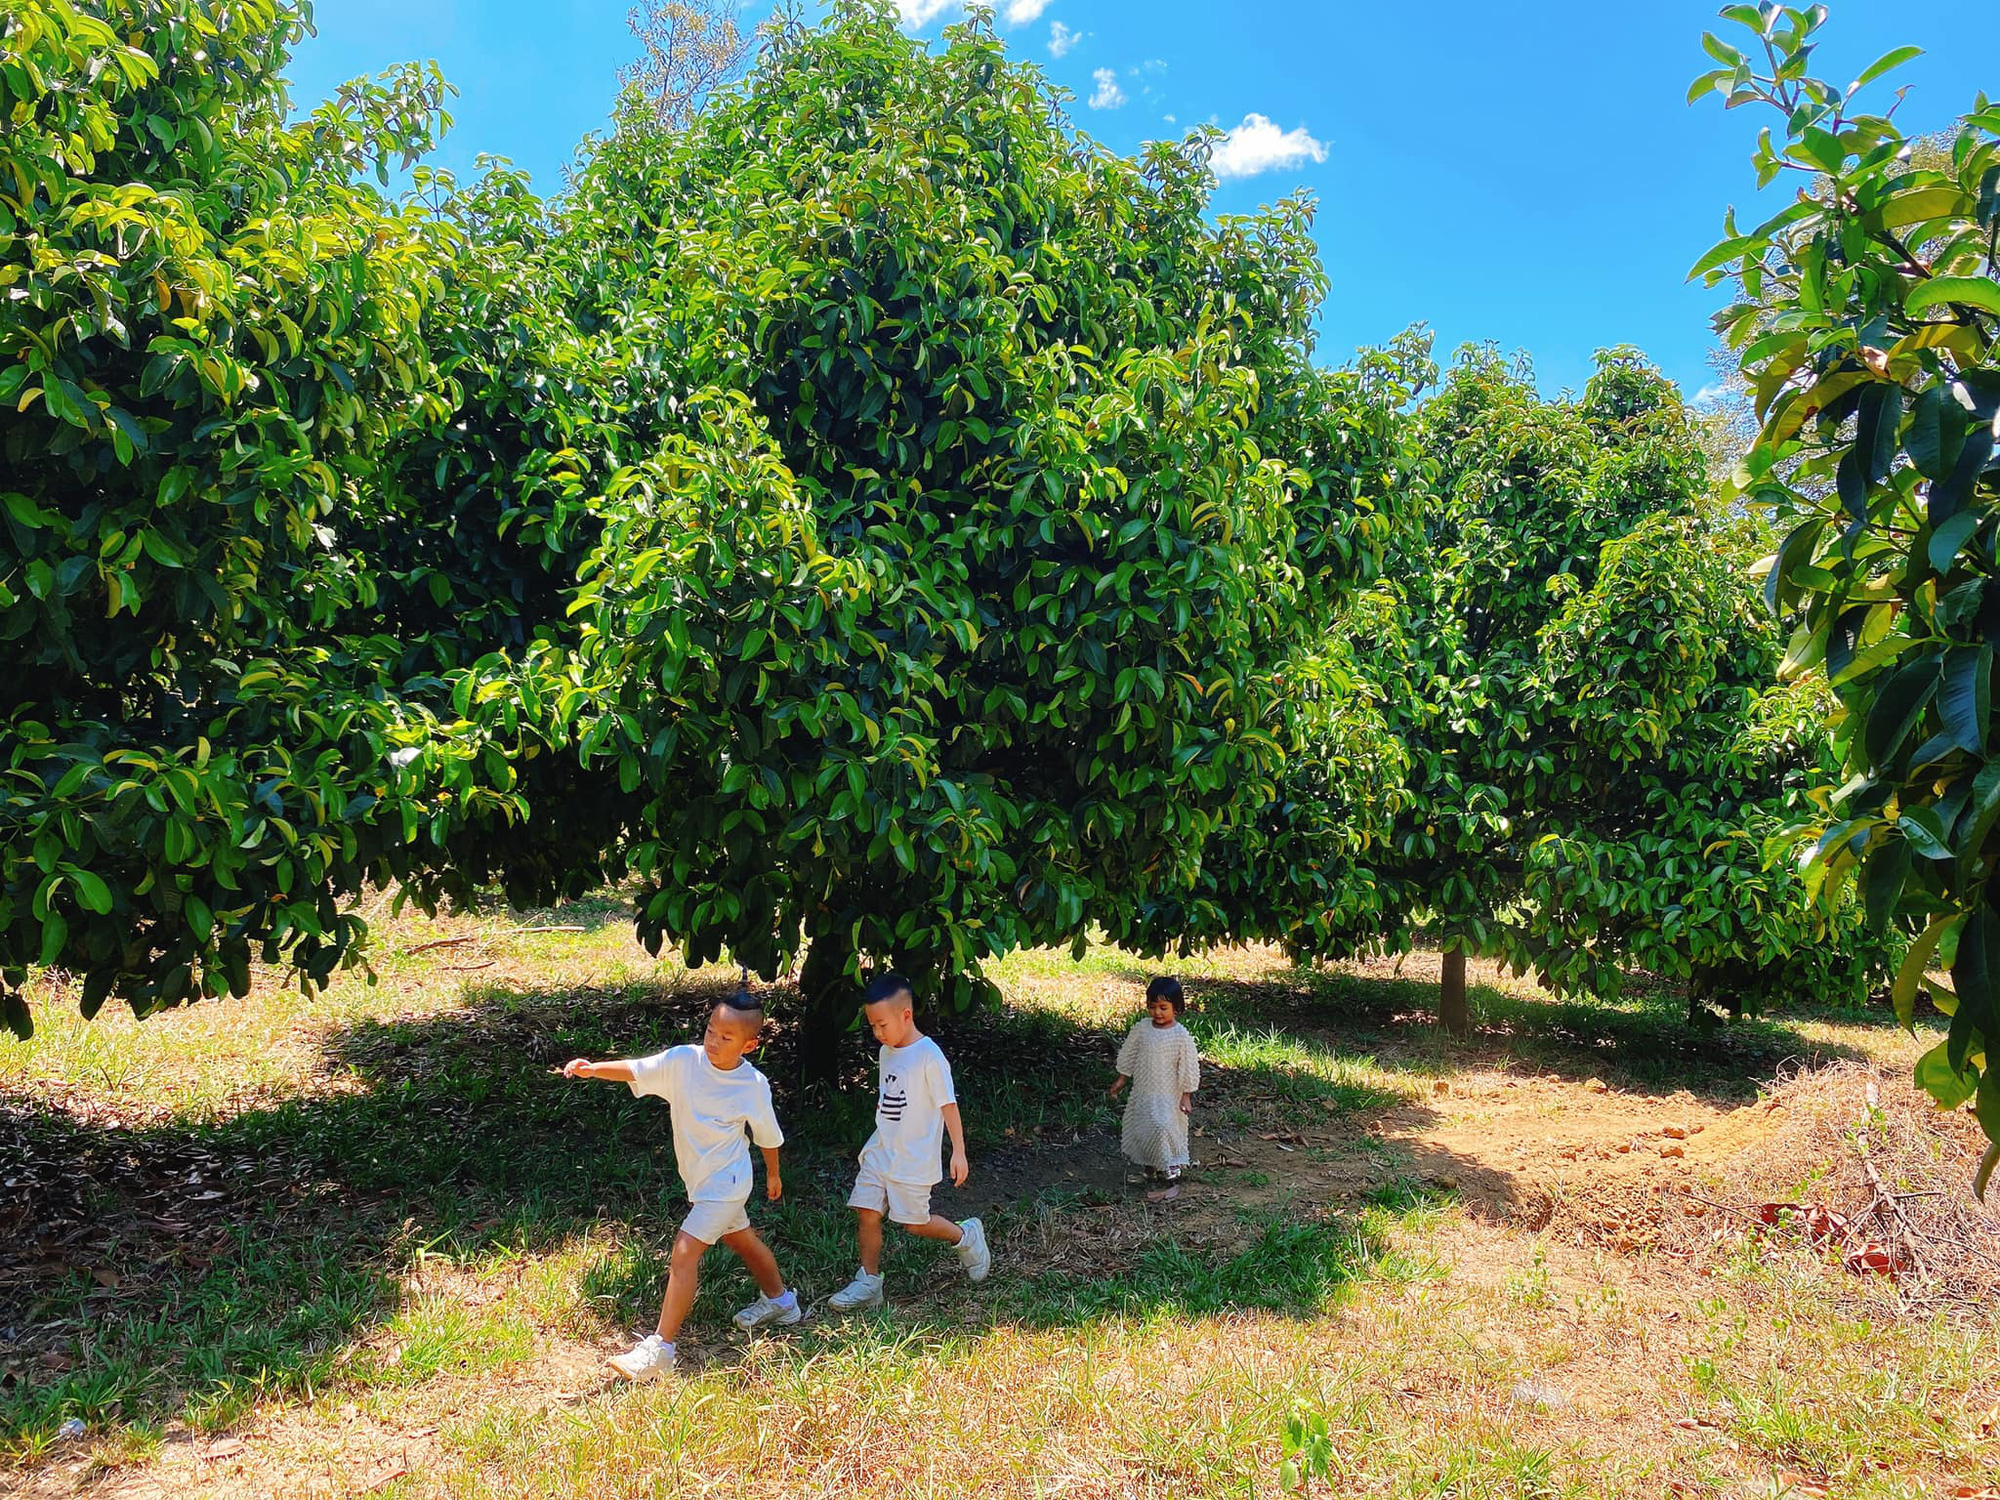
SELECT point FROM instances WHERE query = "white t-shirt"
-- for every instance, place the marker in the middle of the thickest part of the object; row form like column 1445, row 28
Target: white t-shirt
column 909, row 1114
column 710, row 1109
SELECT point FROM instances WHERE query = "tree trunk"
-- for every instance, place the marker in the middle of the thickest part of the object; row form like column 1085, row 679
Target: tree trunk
column 828, row 998
column 1451, row 991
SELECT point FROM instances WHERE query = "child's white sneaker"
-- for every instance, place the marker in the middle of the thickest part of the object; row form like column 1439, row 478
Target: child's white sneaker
column 784, row 1311
column 863, row 1291
column 973, row 1253
column 651, row 1358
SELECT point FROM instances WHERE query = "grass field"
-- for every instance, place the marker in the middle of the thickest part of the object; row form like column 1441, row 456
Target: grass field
column 372, row 1244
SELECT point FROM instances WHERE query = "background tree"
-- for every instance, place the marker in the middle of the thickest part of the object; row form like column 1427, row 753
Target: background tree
column 1589, row 756
column 1866, row 325
column 688, row 49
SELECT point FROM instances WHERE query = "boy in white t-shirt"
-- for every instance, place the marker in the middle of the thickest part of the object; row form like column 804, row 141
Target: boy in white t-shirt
column 914, row 1107
column 714, row 1094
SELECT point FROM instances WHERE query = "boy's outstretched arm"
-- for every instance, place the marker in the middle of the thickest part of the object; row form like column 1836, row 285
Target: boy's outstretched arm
column 611, row 1072
column 960, row 1168
column 774, row 1184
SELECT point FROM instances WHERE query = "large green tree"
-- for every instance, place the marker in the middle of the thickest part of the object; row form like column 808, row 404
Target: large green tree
column 1868, row 330
column 211, row 330
column 985, row 487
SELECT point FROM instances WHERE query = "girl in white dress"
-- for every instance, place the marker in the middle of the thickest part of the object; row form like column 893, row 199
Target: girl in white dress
column 1161, row 1063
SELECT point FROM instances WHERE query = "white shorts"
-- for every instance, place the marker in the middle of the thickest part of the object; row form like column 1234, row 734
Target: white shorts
column 905, row 1202
column 709, row 1222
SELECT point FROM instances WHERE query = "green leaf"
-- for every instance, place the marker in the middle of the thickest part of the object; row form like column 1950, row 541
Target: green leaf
column 1796, row 550
column 91, row 891
column 55, row 933
column 1709, row 82
column 1975, row 970
column 1936, row 1077
column 1877, row 426
column 1926, row 835
column 97, row 986
column 1882, row 881
column 1897, row 708
column 1963, row 291
column 1927, row 437
column 1720, row 50
column 159, row 548
column 1948, row 540
column 1721, row 255
column 1964, row 696
column 1985, row 1173
column 1986, row 1106
column 1910, row 974
column 1949, row 494
column 1883, row 64
column 1850, row 482
column 1977, row 824
column 1919, row 206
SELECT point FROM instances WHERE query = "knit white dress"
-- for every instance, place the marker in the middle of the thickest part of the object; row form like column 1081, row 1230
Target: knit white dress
column 1163, row 1064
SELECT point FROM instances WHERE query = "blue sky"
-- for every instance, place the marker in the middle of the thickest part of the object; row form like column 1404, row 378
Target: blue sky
column 1521, row 172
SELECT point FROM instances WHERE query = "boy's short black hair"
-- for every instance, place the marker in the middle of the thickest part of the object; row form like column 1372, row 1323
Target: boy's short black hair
column 886, row 987
column 1167, row 988
column 744, row 1005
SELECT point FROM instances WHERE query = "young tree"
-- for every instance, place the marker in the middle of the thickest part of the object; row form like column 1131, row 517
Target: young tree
column 1868, row 328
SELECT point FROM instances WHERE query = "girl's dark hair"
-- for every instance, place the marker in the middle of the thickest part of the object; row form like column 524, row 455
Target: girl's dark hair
column 1167, row 988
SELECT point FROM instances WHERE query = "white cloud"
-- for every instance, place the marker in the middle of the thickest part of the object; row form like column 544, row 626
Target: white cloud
column 1061, row 39
column 1170, row 119
column 917, row 13
column 1108, row 95
column 1259, row 146
column 1021, row 12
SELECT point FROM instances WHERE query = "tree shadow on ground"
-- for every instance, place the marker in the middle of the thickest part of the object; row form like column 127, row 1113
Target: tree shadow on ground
column 151, row 1267
column 1643, row 1044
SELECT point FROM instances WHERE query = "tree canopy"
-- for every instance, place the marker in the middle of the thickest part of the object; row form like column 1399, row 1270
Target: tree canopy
column 214, row 328
column 1573, row 754
column 1045, row 485
column 871, row 512
column 897, row 530
column 1866, row 329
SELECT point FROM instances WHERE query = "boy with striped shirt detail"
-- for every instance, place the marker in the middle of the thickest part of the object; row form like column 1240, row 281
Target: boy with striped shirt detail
column 916, row 1105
